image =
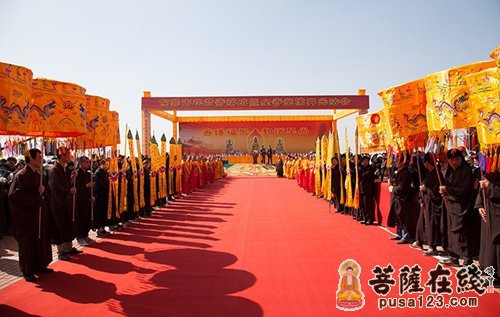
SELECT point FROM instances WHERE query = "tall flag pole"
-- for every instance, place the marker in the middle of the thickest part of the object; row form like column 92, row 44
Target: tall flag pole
column 134, row 169
column 142, row 202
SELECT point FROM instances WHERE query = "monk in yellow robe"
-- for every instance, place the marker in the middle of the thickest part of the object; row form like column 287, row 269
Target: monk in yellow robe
column 291, row 173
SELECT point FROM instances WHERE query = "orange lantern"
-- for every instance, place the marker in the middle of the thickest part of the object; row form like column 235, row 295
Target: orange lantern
column 58, row 109
column 15, row 98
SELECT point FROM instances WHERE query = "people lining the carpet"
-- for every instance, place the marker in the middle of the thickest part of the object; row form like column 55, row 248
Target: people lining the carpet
column 73, row 200
column 437, row 204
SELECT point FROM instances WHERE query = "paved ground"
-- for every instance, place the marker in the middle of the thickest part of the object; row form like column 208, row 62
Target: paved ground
column 9, row 259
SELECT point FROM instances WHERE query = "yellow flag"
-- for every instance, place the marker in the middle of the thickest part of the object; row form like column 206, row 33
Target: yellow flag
column 317, row 170
column 406, row 108
column 135, row 176
column 448, row 101
column 484, row 90
column 324, row 154
column 371, row 132
column 329, row 167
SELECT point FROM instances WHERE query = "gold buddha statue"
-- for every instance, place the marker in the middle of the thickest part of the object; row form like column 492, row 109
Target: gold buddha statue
column 349, row 295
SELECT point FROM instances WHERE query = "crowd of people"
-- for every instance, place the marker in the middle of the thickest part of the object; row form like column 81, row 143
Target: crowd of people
column 66, row 201
column 439, row 202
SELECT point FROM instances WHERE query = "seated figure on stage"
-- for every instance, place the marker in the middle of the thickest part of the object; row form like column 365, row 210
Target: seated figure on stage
column 229, row 147
column 255, row 144
column 280, row 150
column 349, row 296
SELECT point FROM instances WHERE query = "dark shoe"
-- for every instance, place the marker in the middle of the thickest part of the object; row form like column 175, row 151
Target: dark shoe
column 102, row 233
column 416, row 245
column 63, row 257
column 450, row 262
column 402, row 241
column 430, row 252
column 75, row 251
column 395, row 238
column 30, row 278
column 45, row 270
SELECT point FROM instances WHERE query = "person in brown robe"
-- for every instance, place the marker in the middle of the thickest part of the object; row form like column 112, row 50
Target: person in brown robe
column 61, row 204
column 83, row 201
column 457, row 194
column 26, row 197
column 488, row 205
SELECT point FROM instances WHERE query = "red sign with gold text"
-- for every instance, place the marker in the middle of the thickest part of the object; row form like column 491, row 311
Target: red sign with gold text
column 235, row 138
column 256, row 102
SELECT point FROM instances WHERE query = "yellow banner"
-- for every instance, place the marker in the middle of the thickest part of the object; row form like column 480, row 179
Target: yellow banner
column 484, row 90
column 448, row 98
column 406, row 108
column 372, row 130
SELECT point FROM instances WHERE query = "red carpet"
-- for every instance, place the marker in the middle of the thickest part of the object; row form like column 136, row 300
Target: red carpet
column 242, row 247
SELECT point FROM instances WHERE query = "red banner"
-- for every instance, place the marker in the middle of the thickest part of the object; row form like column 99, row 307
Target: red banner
column 255, row 103
column 239, row 138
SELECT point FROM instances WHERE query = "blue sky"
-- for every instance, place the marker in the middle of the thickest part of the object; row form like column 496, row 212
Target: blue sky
column 118, row 49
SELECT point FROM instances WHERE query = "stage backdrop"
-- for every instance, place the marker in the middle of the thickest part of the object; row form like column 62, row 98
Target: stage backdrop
column 234, row 138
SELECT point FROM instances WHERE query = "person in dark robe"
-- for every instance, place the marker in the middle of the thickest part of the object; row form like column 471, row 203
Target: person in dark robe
column 367, row 191
column 353, row 168
column 61, row 204
column 270, row 155
column 445, row 170
column 147, row 186
column 279, row 168
column 457, row 194
column 263, row 155
column 335, row 184
column 27, row 204
column 473, row 221
column 417, row 172
column 5, row 218
column 169, row 194
column 429, row 222
column 343, row 172
column 488, row 205
column 101, row 194
column 129, row 214
column 400, row 209
column 255, row 156
column 84, row 200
